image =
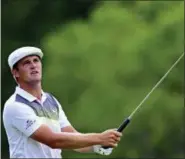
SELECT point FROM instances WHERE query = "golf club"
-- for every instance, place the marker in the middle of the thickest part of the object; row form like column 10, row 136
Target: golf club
column 128, row 119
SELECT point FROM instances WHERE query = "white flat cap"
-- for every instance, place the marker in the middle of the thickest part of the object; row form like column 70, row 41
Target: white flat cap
column 22, row 52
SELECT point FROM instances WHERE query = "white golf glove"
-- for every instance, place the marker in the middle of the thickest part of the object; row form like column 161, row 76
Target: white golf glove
column 99, row 150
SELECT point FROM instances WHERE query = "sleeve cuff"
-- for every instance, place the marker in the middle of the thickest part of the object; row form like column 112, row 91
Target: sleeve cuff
column 33, row 128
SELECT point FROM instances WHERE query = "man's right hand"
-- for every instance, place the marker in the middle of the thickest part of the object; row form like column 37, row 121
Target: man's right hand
column 110, row 138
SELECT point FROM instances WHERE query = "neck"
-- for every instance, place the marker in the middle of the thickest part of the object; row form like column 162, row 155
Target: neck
column 33, row 89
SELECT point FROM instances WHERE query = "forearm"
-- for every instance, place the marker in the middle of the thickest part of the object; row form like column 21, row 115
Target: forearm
column 74, row 140
column 85, row 150
column 88, row 149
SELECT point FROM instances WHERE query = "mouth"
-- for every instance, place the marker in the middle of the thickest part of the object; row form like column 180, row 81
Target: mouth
column 34, row 72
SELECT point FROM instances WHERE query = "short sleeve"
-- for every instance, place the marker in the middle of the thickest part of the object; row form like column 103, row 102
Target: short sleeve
column 62, row 117
column 24, row 118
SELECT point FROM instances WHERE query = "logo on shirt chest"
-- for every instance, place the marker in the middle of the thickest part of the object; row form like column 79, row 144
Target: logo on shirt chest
column 46, row 110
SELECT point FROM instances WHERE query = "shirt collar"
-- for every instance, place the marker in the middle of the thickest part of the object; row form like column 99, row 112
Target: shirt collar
column 29, row 96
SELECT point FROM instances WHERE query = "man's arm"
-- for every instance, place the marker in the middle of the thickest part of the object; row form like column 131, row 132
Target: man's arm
column 88, row 149
column 66, row 127
column 24, row 119
column 68, row 140
column 65, row 140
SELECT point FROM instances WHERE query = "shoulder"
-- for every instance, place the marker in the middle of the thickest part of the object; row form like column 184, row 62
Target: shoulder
column 9, row 108
column 12, row 107
column 9, row 103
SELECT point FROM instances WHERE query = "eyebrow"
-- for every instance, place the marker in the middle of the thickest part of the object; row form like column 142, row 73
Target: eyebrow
column 35, row 58
column 27, row 60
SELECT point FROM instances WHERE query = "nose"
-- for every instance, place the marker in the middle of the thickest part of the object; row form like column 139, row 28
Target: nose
column 33, row 64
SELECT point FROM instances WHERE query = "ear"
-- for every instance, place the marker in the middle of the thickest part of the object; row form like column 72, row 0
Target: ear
column 15, row 73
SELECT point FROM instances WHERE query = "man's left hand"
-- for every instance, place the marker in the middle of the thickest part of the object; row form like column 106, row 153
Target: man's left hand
column 100, row 150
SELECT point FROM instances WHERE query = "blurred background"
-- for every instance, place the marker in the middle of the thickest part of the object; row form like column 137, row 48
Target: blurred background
column 101, row 58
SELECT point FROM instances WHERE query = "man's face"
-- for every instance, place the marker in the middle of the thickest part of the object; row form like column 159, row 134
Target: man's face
column 28, row 70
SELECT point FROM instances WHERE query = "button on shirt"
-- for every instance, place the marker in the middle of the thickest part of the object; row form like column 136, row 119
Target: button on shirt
column 21, row 121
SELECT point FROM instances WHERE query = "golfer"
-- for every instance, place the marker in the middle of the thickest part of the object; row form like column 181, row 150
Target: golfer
column 35, row 124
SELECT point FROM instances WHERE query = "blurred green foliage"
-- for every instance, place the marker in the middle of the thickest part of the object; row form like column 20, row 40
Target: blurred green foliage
column 102, row 66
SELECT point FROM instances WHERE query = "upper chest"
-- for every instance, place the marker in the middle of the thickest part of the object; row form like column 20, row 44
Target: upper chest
column 48, row 108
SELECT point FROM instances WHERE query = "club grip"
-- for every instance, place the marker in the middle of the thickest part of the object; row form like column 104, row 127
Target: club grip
column 123, row 125
column 120, row 129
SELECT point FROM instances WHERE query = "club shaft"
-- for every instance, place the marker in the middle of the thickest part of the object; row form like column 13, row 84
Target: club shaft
column 127, row 120
column 146, row 97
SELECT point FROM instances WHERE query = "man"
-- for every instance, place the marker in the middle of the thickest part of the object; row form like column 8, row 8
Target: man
column 35, row 123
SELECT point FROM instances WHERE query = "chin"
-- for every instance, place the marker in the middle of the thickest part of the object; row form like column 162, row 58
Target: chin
column 35, row 78
column 33, row 81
